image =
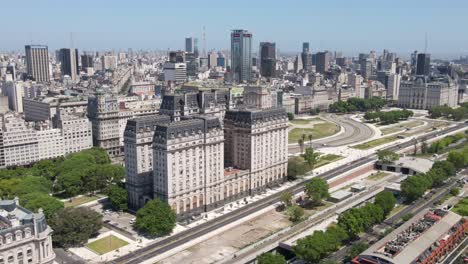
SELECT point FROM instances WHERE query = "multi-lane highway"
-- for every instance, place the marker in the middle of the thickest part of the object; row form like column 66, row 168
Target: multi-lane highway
column 183, row 237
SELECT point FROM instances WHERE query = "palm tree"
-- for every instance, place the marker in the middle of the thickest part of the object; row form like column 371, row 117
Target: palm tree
column 310, row 139
column 301, row 144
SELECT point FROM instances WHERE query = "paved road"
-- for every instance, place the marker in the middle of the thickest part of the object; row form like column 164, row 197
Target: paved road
column 354, row 132
column 183, row 237
column 65, row 257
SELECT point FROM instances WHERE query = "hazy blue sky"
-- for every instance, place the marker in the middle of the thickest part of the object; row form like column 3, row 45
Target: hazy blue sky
column 348, row 25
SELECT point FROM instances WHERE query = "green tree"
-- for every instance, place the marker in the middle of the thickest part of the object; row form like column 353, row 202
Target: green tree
column 455, row 191
column 45, row 168
column 317, row 190
column 156, row 218
column 296, row 167
column 386, row 200
column 286, row 198
column 311, row 248
column 295, row 213
column 447, row 166
column 356, row 249
column 34, row 201
column 311, row 157
column 290, row 116
column 351, row 222
column 457, row 159
column 74, row 226
column 413, row 188
column 387, row 156
column 270, row 258
column 301, row 144
column 117, row 197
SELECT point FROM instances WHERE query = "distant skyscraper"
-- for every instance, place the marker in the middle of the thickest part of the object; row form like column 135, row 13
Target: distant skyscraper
column 306, row 57
column 177, row 56
column 195, row 47
column 323, row 62
column 423, row 65
column 241, row 55
column 69, row 63
column 267, row 59
column 305, row 47
column 221, row 61
column 37, row 61
column 212, row 59
column 189, row 44
column 87, row 61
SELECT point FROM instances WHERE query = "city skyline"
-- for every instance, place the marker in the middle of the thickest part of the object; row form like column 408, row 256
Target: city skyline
column 398, row 26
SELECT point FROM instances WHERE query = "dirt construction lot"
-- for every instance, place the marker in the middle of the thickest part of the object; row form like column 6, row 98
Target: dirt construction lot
column 226, row 243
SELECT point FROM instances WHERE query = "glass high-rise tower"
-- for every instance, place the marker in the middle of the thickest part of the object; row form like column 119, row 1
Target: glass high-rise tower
column 241, row 55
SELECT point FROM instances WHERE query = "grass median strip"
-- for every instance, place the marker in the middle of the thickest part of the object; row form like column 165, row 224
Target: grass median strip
column 375, row 142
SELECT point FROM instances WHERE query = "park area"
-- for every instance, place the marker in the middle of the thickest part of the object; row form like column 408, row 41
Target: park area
column 316, row 127
column 106, row 244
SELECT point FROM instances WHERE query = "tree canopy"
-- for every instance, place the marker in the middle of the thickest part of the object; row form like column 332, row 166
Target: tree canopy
column 317, row 190
column 117, row 197
column 74, row 226
column 270, row 258
column 156, row 218
column 34, row 201
column 387, row 156
column 386, row 200
column 357, row 104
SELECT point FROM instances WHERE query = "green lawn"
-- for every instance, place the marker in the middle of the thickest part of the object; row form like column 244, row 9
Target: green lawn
column 377, row 176
column 375, row 142
column 326, row 159
column 319, row 130
column 82, row 200
column 300, row 121
column 106, row 244
column 461, row 207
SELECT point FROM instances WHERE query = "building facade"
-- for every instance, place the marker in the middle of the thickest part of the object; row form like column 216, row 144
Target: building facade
column 268, row 59
column 25, row 237
column 257, row 140
column 188, row 164
column 69, row 63
column 37, row 62
column 425, row 93
column 241, row 55
column 138, row 149
column 103, row 111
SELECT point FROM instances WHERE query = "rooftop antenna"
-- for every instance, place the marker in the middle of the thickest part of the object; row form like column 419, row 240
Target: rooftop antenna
column 425, row 42
column 71, row 40
column 204, row 42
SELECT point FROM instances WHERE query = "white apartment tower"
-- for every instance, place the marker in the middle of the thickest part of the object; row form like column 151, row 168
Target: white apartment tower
column 188, row 165
column 257, row 140
column 138, row 149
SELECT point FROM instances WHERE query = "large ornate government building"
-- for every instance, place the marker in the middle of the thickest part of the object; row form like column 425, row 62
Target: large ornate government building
column 25, row 237
column 201, row 152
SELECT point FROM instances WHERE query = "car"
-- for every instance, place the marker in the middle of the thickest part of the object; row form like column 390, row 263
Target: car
column 132, row 221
